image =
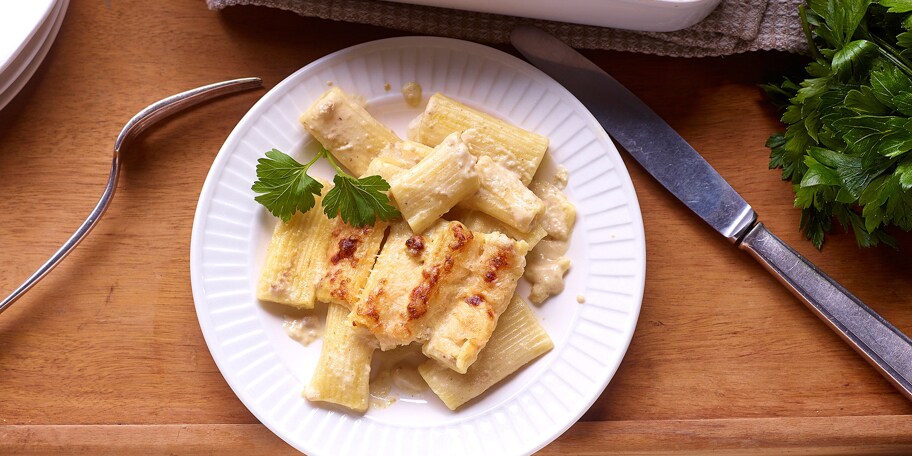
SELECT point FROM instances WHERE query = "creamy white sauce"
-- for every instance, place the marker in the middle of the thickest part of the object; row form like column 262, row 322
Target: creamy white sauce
column 334, row 122
column 411, row 92
column 545, row 269
column 481, row 138
column 394, row 373
column 559, row 214
column 460, row 154
column 381, row 395
column 304, row 330
column 546, row 263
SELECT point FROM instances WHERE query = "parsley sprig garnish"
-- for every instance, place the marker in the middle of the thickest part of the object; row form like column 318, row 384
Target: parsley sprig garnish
column 849, row 136
column 284, row 184
column 285, row 188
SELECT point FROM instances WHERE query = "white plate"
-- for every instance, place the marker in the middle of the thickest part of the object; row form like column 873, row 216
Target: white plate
column 268, row 371
column 19, row 24
column 20, row 69
column 646, row 15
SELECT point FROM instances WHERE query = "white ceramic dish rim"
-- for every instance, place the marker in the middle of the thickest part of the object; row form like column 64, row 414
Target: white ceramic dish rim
column 281, row 89
column 642, row 15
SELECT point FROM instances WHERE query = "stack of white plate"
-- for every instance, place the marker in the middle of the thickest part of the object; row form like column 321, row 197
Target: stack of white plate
column 27, row 30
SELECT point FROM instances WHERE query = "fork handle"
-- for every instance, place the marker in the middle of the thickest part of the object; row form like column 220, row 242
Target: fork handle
column 873, row 337
column 148, row 116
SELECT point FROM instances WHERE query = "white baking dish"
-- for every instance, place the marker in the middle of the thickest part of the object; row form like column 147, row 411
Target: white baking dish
column 647, row 15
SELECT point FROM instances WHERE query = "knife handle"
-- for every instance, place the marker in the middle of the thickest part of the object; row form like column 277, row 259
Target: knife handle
column 878, row 341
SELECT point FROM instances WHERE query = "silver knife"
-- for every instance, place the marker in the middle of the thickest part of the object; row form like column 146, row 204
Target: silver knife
column 681, row 170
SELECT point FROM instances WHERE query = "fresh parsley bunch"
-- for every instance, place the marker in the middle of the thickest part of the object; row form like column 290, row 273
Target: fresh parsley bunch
column 848, row 145
column 285, row 188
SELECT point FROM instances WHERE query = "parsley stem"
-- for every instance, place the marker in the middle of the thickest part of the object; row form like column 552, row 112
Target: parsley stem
column 886, row 50
column 312, row 161
column 806, row 28
column 335, row 165
column 890, row 53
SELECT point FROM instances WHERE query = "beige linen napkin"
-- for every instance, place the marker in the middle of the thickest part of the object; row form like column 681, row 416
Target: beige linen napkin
column 735, row 26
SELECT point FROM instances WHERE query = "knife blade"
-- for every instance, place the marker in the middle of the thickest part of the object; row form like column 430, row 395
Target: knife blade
column 679, row 168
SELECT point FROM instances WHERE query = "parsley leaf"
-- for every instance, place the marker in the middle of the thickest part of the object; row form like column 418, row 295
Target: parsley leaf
column 285, row 188
column 359, row 202
column 897, row 6
column 853, row 59
column 863, row 101
column 887, row 135
column 847, row 146
column 284, row 185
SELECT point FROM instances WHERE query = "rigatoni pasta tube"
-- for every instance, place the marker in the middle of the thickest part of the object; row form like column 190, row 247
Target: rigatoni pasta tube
column 343, row 371
column 347, row 130
column 397, row 158
column 405, row 153
column 518, row 339
column 433, row 186
column 348, row 261
column 383, row 307
column 478, row 290
column 401, row 295
column 503, row 196
column 516, row 149
column 294, row 258
column 484, row 223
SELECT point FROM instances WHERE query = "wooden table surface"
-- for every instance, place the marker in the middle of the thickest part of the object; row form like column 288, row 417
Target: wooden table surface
column 106, row 355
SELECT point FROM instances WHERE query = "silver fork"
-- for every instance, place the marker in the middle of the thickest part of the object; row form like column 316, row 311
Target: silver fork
column 144, row 119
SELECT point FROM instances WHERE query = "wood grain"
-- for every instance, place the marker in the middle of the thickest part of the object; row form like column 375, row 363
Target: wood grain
column 106, row 355
column 741, row 437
